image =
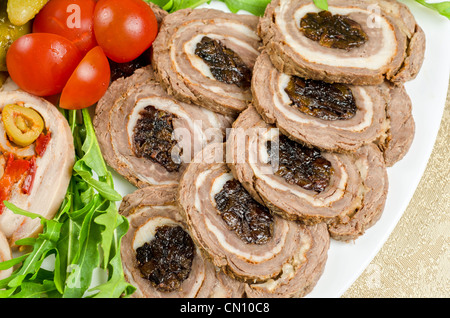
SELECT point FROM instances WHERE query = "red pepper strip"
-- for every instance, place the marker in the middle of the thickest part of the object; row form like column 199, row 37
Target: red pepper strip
column 29, row 179
column 14, row 171
column 42, row 143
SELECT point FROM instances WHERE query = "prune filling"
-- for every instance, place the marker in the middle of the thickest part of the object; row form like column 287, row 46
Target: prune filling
column 251, row 221
column 333, row 31
column 153, row 137
column 225, row 65
column 166, row 261
column 127, row 69
column 322, row 100
column 300, row 165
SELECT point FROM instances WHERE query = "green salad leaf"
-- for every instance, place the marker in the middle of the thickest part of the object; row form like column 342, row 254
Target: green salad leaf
column 442, row 8
column 257, row 7
column 82, row 240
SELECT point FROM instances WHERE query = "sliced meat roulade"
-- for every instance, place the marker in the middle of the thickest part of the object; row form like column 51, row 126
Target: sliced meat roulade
column 334, row 117
column 295, row 181
column 5, row 255
column 206, row 57
column 396, row 141
column 36, row 160
column 242, row 237
column 354, row 42
column 148, row 136
column 159, row 257
column 372, row 167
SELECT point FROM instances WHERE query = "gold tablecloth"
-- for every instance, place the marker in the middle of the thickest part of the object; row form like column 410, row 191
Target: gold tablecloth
column 415, row 260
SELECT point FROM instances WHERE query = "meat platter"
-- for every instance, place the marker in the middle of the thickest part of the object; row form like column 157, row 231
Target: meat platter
column 349, row 144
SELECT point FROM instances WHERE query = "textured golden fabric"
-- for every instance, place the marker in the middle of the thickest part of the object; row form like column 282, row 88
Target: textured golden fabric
column 415, row 260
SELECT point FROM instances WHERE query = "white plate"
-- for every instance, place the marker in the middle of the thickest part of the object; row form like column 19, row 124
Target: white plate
column 346, row 261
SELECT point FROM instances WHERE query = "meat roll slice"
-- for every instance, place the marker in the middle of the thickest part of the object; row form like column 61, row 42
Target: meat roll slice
column 148, row 136
column 371, row 164
column 294, row 181
column 354, row 42
column 36, row 160
column 5, row 255
column 159, row 257
column 334, row 117
column 206, row 57
column 243, row 237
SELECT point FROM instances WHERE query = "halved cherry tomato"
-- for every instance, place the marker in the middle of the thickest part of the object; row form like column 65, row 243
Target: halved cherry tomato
column 89, row 81
column 41, row 63
column 72, row 19
column 124, row 28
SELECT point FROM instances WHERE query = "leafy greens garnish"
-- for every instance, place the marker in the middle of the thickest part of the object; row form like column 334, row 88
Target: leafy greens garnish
column 83, row 238
column 442, row 8
column 257, row 7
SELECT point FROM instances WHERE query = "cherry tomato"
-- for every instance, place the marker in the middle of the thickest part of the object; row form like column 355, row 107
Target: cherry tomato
column 124, row 28
column 89, row 81
column 72, row 19
column 41, row 63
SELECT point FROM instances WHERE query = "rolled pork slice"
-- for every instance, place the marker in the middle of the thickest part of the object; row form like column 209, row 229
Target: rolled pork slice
column 334, row 195
column 148, row 136
column 49, row 175
column 396, row 141
column 153, row 207
column 353, row 119
column 372, row 167
column 301, row 183
column 273, row 255
column 206, row 56
column 382, row 40
column 5, row 255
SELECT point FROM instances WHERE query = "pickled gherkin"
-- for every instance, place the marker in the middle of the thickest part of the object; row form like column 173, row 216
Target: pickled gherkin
column 8, row 33
column 21, row 12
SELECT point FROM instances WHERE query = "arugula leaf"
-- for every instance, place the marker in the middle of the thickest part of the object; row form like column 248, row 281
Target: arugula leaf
column 84, row 235
column 321, row 4
column 442, row 8
column 256, row 7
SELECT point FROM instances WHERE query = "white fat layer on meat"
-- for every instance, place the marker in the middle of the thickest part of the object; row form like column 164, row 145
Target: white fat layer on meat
column 255, row 147
column 284, row 106
column 218, row 184
column 221, row 237
column 374, row 62
column 199, row 64
column 289, row 269
column 146, row 232
column 170, row 106
column 243, row 254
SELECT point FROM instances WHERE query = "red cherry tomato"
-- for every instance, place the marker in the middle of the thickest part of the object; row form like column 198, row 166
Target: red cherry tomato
column 124, row 28
column 72, row 19
column 89, row 81
column 41, row 63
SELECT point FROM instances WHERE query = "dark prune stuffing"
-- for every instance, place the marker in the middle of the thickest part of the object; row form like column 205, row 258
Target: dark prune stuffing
column 225, row 65
column 322, row 100
column 166, row 261
column 333, row 31
column 127, row 69
column 251, row 221
column 300, row 165
column 153, row 137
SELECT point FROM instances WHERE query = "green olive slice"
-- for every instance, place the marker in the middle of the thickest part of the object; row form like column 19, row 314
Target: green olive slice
column 23, row 125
